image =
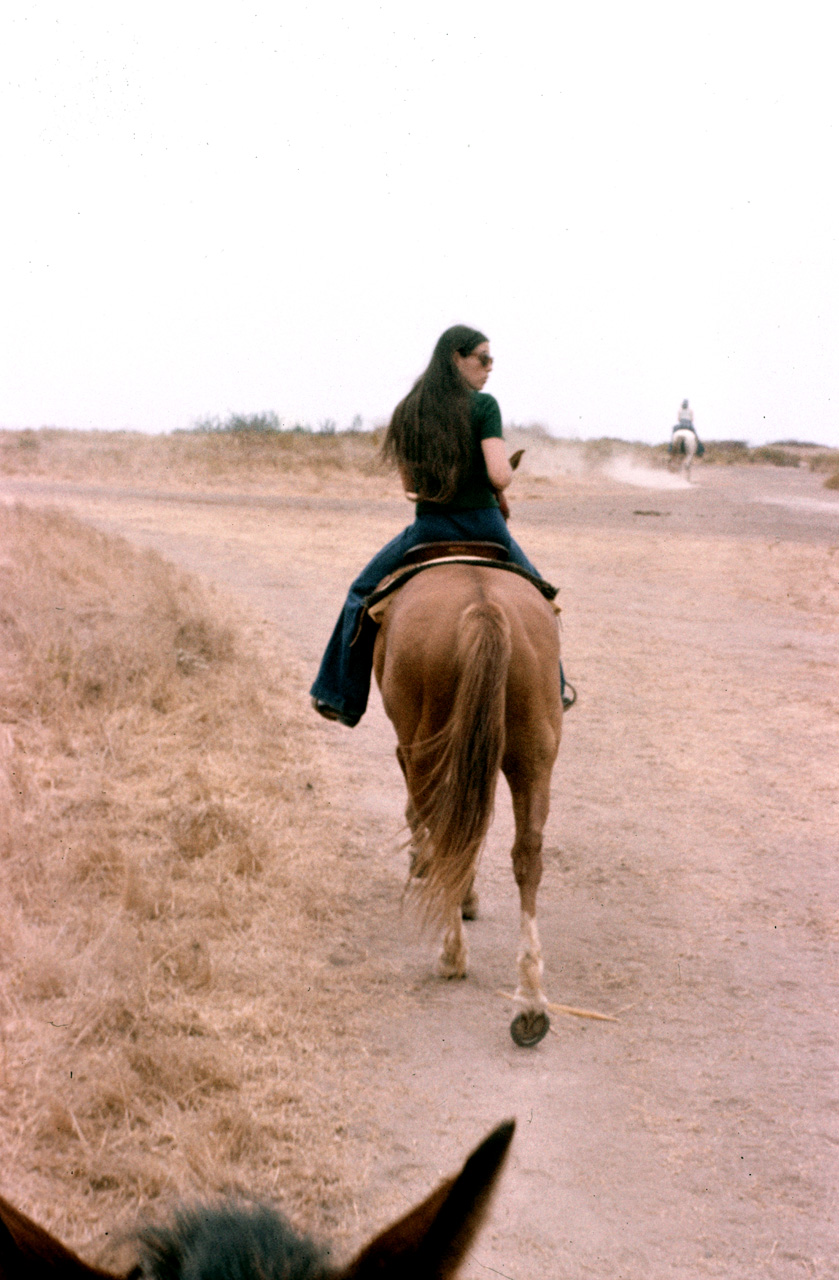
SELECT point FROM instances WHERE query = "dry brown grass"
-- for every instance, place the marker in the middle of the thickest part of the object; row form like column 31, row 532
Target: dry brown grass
column 346, row 464
column 165, row 1025
column 279, row 462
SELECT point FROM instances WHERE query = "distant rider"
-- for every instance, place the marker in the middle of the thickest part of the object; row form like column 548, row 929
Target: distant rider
column 685, row 417
column 684, row 423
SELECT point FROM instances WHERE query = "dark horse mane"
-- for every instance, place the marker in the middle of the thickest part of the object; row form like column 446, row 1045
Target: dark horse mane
column 253, row 1242
column 227, row 1241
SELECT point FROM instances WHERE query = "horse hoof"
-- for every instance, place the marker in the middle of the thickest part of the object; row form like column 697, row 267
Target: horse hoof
column 469, row 909
column 527, row 1029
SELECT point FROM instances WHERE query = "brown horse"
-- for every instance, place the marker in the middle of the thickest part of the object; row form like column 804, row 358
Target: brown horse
column 467, row 660
column 236, row 1242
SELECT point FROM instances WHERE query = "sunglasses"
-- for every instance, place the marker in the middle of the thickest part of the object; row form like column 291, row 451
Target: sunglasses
column 484, row 360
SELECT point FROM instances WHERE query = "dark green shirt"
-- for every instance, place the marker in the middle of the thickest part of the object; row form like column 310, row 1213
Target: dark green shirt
column 475, row 490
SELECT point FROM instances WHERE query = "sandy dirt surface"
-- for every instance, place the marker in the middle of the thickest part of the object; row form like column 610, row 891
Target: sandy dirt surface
column 690, row 886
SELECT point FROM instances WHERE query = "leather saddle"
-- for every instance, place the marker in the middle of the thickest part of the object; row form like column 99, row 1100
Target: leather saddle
column 425, row 551
column 428, row 554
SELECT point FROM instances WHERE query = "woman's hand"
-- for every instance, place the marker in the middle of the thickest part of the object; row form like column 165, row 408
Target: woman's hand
column 503, row 503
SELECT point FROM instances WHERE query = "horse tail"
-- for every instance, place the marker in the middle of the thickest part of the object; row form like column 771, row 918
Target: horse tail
column 456, row 771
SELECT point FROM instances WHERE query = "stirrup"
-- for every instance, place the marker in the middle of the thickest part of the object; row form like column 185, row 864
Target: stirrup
column 569, row 696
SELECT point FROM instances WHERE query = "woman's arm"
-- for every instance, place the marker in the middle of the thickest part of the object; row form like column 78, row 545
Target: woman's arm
column 498, row 468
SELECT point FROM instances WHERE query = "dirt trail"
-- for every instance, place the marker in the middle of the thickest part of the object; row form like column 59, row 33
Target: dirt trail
column 691, row 876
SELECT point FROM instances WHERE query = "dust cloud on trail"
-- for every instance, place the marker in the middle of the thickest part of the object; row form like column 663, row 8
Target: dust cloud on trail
column 627, row 472
column 551, row 458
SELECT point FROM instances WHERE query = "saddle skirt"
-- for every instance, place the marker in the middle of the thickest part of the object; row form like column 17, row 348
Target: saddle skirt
column 426, row 555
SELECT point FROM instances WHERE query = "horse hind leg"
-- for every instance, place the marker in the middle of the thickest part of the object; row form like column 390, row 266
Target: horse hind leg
column 531, row 1023
column 415, row 847
column 415, row 854
column 469, row 905
column 454, row 955
column 530, row 805
column 453, row 961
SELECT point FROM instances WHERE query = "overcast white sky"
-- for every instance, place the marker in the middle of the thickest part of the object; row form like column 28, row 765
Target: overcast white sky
column 241, row 207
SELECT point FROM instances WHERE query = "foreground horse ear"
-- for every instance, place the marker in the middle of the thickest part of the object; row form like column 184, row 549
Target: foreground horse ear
column 430, row 1242
column 28, row 1252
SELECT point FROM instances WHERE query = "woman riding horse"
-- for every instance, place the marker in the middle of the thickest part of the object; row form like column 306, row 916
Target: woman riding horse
column 446, row 439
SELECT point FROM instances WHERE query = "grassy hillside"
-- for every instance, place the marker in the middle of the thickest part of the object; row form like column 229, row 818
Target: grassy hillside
column 341, row 464
column 168, row 1022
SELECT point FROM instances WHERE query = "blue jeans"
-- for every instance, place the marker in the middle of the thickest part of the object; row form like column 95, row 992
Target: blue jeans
column 343, row 681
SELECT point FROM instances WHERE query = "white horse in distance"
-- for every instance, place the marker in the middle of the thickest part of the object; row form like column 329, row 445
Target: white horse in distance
column 683, row 447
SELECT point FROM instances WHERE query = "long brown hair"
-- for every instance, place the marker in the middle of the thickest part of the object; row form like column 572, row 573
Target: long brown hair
column 430, row 432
